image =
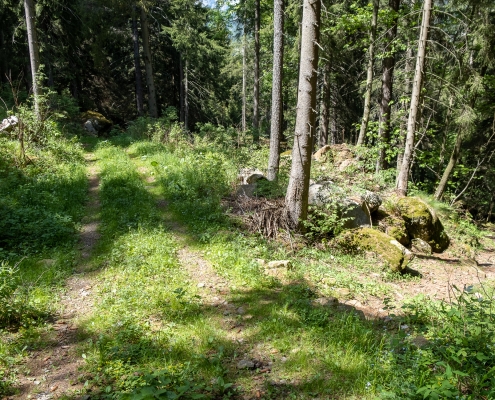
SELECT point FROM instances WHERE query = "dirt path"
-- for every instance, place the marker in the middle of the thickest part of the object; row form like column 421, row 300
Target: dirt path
column 214, row 289
column 53, row 371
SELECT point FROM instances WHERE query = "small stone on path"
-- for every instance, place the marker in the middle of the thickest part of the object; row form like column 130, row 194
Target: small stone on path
column 245, row 364
column 241, row 311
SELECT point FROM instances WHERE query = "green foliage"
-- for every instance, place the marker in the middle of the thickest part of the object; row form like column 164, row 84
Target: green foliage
column 219, row 135
column 455, row 358
column 12, row 297
column 162, row 129
column 272, row 189
column 42, row 201
column 325, row 220
column 195, row 180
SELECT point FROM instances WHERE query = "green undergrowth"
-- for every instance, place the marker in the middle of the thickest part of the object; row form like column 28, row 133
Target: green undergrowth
column 315, row 350
column 41, row 205
column 154, row 334
column 149, row 333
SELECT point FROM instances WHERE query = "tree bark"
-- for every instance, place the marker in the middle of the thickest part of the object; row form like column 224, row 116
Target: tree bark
column 277, row 105
column 388, row 66
column 403, row 179
column 405, row 104
column 369, row 76
column 454, row 157
column 325, row 104
column 186, row 97
column 152, row 107
column 137, row 65
column 182, row 102
column 33, row 52
column 297, row 192
column 256, row 97
column 244, row 79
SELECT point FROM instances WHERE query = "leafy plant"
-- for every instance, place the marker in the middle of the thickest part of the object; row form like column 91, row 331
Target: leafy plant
column 16, row 309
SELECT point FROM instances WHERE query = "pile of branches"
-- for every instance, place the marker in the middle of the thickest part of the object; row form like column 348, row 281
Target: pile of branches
column 269, row 217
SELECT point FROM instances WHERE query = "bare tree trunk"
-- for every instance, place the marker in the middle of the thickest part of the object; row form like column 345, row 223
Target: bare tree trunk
column 137, row 65
column 33, row 52
column 297, row 192
column 388, row 66
column 490, row 210
column 277, row 105
column 186, row 97
column 182, row 112
column 450, row 166
column 334, row 125
column 405, row 105
column 256, row 97
column 244, row 79
column 152, row 107
column 403, row 179
column 325, row 104
column 369, row 76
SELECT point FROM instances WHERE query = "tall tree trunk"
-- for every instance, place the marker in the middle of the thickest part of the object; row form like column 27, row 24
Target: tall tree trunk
column 152, row 107
column 490, row 209
column 137, row 65
column 182, row 113
column 334, row 126
column 33, row 52
column 388, row 66
column 454, row 157
column 403, row 179
column 186, row 97
column 405, row 105
column 244, row 80
column 325, row 104
column 256, row 97
column 297, row 192
column 277, row 104
column 369, row 76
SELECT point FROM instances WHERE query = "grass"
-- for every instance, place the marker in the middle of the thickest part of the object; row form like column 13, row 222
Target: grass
column 40, row 210
column 154, row 333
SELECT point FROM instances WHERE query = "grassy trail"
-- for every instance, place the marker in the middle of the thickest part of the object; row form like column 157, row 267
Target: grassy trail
column 163, row 311
column 165, row 296
column 52, row 371
column 162, row 304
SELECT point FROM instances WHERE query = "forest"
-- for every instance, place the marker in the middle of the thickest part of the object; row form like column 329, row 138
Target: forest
column 247, row 199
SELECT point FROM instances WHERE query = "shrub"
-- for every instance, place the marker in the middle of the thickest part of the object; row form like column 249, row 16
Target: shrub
column 16, row 309
column 456, row 359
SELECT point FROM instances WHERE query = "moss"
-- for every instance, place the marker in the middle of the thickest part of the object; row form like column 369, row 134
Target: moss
column 377, row 242
column 392, row 225
column 423, row 223
column 399, row 232
column 104, row 123
column 415, row 213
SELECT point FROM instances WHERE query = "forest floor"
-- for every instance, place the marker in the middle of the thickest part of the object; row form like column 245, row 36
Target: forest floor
column 232, row 327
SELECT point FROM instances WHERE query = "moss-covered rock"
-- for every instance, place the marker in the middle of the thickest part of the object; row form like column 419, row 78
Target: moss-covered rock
column 423, row 223
column 392, row 225
column 323, row 154
column 387, row 248
column 95, row 123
